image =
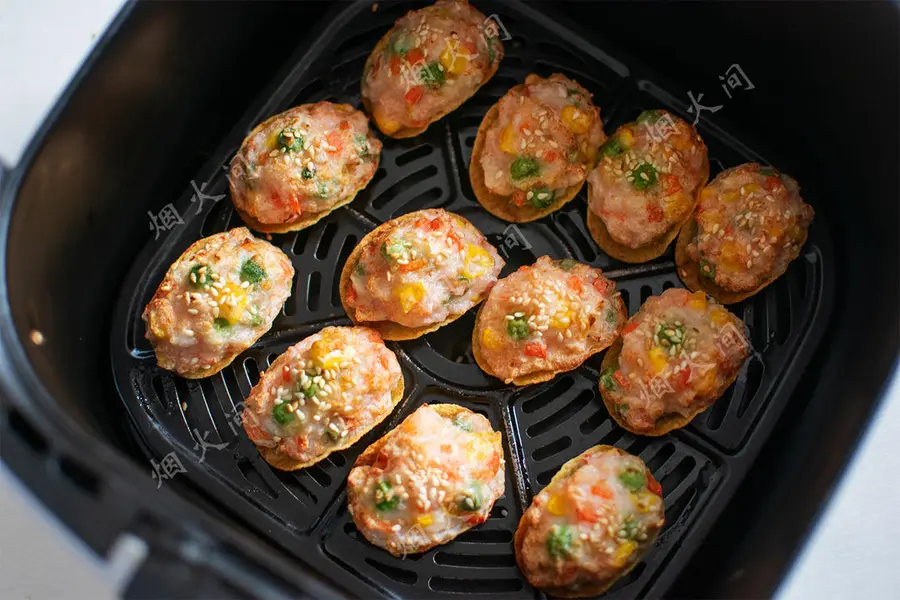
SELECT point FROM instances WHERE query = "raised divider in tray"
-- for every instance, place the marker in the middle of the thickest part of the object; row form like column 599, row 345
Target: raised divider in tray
column 544, row 425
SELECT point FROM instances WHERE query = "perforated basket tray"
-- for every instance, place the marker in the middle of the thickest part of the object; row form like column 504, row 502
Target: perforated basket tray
column 543, row 425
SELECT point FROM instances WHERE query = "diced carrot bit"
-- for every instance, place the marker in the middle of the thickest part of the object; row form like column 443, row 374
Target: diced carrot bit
column 518, row 198
column 575, row 283
column 536, row 349
column 395, row 65
column 631, row 326
column 653, row 485
column 671, row 185
column 601, row 489
column 344, row 126
column 334, row 140
column 601, row 285
column 551, row 155
column 434, row 224
column 654, row 213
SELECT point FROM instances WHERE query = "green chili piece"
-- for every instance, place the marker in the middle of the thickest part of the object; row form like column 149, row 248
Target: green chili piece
column 292, row 142
column 523, row 167
column 385, row 499
column 517, row 328
column 707, row 269
column 607, row 379
column 644, row 176
column 541, row 197
column 612, row 148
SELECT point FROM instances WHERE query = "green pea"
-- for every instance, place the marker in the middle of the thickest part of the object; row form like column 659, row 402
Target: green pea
column 566, row 264
column 560, row 542
column 281, row 414
column 633, row 479
column 472, row 499
column 221, row 324
column 252, row 272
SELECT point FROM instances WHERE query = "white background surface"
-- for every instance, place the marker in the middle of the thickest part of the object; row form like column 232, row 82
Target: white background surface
column 854, row 554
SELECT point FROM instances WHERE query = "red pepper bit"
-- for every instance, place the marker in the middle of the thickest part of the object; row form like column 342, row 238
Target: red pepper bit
column 518, row 198
column 414, row 94
column 622, row 380
column 630, row 327
column 286, row 373
column 395, row 65
column 653, row 485
column 654, row 213
column 601, row 285
column 772, row 183
column 415, row 55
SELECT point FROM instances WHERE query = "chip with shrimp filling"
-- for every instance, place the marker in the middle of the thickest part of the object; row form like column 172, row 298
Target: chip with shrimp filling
column 321, row 396
column 591, row 525
column 417, row 273
column 545, row 319
column 534, row 148
column 435, row 476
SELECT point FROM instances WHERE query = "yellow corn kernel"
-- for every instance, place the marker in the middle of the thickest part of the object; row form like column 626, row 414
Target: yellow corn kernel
column 698, row 301
column 556, row 505
column 731, row 256
column 620, row 556
column 576, row 119
column 625, row 137
column 705, row 381
column 675, row 205
column 480, row 447
column 750, row 188
column 425, row 520
column 720, row 316
column 561, row 319
column 386, row 125
column 232, row 300
column 491, row 340
column 658, row 359
column 410, row 294
column 646, row 501
column 325, row 355
column 729, row 196
column 508, row 140
column 454, row 59
column 478, row 261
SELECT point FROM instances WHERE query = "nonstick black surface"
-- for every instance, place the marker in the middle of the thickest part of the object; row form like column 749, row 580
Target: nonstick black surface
column 544, row 425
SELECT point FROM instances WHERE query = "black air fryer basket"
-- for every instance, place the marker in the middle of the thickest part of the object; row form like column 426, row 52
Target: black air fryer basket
column 217, row 518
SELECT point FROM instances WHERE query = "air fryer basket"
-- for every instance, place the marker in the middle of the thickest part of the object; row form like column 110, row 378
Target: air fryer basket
column 544, row 425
